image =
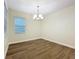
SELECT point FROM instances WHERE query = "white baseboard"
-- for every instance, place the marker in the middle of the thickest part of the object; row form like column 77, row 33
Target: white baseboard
column 5, row 51
column 28, row 39
column 49, row 39
column 46, row 38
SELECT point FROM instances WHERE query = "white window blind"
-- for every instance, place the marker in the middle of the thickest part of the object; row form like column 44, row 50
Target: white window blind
column 19, row 24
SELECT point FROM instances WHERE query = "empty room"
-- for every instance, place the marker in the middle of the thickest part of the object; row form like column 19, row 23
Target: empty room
column 39, row 29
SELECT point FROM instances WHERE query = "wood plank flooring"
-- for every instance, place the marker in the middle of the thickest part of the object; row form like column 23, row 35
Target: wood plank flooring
column 39, row 49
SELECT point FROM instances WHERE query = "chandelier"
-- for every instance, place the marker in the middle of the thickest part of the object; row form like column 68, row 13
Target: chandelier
column 38, row 16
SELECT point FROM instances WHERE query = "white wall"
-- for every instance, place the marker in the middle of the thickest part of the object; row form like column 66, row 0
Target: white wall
column 32, row 28
column 6, row 40
column 6, row 43
column 59, row 27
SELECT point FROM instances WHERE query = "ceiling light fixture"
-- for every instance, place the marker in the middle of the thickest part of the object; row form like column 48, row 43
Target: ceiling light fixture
column 38, row 16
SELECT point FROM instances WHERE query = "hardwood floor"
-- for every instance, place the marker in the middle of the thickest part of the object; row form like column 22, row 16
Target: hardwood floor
column 39, row 49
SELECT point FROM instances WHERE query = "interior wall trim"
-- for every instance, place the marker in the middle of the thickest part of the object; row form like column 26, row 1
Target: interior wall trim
column 58, row 42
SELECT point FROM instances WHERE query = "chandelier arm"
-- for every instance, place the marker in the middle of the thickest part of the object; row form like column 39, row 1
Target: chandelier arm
column 38, row 11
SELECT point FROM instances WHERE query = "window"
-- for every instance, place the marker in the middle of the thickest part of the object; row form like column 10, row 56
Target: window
column 19, row 24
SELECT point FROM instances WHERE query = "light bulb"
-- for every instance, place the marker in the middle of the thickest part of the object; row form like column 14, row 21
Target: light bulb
column 41, row 16
column 38, row 16
column 35, row 16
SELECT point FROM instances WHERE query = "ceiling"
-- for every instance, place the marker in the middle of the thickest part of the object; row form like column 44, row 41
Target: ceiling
column 46, row 6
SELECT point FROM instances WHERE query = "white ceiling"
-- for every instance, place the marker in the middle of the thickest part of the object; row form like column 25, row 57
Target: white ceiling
column 46, row 6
